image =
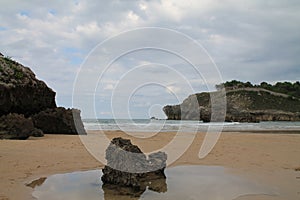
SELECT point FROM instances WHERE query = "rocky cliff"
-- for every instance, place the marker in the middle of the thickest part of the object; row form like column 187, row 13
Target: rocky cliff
column 16, row 126
column 23, row 98
column 20, row 91
column 59, row 121
column 242, row 105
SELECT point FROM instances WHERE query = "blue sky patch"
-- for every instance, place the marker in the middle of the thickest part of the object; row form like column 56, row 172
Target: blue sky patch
column 25, row 13
column 52, row 11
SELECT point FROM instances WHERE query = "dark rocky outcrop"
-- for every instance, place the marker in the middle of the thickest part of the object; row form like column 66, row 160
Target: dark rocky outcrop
column 16, row 126
column 21, row 92
column 25, row 98
column 59, row 121
column 242, row 105
column 129, row 172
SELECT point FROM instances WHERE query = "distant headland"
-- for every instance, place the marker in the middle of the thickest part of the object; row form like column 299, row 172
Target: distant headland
column 245, row 103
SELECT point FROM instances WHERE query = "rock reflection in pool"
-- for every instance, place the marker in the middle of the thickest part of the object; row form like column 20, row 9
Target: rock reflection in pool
column 183, row 182
column 119, row 192
column 37, row 182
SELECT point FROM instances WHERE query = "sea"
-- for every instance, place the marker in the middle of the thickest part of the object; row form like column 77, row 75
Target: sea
column 161, row 125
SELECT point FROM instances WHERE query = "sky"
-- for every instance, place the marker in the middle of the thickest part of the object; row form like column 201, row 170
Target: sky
column 129, row 58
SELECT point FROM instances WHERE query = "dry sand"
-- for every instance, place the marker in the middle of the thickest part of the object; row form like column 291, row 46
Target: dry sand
column 271, row 159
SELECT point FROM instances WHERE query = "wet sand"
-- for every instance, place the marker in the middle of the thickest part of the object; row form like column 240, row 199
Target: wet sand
column 270, row 159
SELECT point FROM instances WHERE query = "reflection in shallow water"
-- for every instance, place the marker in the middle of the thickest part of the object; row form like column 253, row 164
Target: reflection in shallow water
column 183, row 182
column 116, row 192
column 37, row 182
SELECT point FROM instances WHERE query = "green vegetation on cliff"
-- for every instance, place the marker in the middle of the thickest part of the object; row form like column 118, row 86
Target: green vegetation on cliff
column 11, row 71
column 245, row 102
column 288, row 88
column 263, row 100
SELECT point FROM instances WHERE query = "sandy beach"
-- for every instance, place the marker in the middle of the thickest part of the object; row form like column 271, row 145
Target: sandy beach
column 271, row 159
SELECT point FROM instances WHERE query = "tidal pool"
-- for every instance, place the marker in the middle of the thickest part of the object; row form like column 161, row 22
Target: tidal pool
column 182, row 182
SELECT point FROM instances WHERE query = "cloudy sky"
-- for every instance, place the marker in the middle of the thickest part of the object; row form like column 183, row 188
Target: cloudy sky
column 106, row 46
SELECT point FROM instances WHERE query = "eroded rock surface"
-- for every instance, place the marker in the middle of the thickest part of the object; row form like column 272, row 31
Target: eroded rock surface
column 241, row 105
column 26, row 102
column 59, row 121
column 21, row 92
column 130, row 172
column 16, row 126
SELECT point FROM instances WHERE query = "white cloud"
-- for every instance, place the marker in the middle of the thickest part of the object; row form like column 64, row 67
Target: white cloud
column 132, row 16
column 250, row 40
column 143, row 6
column 109, row 87
column 90, row 29
column 173, row 89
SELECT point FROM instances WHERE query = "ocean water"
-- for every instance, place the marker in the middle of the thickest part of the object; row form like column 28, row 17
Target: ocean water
column 148, row 125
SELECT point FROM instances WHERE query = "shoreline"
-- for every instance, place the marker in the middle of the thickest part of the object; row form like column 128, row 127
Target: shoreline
column 223, row 131
column 263, row 131
column 269, row 158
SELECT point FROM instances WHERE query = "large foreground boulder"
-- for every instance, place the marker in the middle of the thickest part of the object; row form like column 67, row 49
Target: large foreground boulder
column 129, row 170
column 16, row 126
column 59, row 121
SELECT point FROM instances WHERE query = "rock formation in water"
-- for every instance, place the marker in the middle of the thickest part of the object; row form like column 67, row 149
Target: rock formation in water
column 129, row 172
column 243, row 104
column 23, row 97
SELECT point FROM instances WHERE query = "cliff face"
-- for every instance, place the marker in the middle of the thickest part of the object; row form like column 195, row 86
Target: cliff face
column 16, row 126
column 27, row 105
column 21, row 92
column 243, row 105
column 59, row 121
